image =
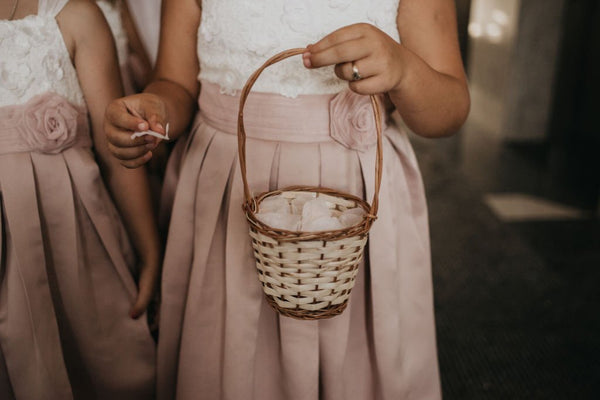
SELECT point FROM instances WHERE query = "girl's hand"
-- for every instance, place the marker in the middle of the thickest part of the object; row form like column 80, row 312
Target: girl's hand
column 147, row 284
column 376, row 57
column 131, row 114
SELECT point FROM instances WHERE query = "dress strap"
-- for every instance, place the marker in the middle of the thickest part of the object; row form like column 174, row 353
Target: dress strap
column 50, row 8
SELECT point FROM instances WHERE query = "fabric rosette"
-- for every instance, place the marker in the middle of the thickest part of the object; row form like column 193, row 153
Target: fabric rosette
column 352, row 121
column 49, row 123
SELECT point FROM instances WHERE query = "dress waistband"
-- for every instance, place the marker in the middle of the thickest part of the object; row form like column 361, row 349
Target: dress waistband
column 47, row 123
column 304, row 119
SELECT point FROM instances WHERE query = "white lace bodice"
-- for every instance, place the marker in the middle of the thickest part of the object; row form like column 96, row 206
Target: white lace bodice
column 35, row 59
column 112, row 13
column 237, row 36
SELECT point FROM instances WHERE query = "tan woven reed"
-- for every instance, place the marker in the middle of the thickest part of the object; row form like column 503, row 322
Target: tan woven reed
column 307, row 275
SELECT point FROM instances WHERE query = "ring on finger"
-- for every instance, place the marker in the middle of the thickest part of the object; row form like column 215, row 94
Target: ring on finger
column 355, row 73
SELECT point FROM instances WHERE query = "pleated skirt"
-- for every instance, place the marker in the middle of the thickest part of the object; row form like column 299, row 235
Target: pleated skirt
column 219, row 339
column 66, row 285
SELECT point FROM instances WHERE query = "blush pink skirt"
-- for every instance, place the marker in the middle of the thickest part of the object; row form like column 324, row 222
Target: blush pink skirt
column 219, row 339
column 66, row 266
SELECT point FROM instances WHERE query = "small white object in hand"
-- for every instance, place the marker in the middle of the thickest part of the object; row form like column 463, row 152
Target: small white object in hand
column 152, row 133
column 306, row 213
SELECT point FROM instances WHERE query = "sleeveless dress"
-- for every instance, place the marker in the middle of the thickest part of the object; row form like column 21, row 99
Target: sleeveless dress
column 219, row 339
column 66, row 263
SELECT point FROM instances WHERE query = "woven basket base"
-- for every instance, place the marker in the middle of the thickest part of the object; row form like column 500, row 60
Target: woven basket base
column 309, row 275
column 324, row 313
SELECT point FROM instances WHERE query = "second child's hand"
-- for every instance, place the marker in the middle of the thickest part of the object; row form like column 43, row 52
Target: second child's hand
column 124, row 117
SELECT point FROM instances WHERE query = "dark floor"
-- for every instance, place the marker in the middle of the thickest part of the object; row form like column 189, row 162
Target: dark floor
column 516, row 303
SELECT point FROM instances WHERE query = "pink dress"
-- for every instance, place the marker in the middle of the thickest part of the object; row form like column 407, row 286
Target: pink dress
column 219, row 339
column 66, row 264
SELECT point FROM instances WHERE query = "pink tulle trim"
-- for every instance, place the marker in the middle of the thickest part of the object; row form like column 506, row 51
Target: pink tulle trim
column 47, row 123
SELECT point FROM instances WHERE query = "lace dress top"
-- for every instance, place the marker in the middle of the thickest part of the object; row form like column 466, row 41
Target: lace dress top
column 35, row 59
column 236, row 37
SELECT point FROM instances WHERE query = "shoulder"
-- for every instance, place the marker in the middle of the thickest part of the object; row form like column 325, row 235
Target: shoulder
column 82, row 22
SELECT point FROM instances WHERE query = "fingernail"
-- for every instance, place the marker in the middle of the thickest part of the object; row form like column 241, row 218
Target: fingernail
column 142, row 126
column 159, row 125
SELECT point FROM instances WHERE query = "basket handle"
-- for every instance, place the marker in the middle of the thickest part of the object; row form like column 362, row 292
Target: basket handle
column 242, row 132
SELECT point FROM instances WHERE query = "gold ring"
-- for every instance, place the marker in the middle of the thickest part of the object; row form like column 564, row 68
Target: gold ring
column 355, row 74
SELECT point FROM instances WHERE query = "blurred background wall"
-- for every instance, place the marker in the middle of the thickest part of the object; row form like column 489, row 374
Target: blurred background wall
column 533, row 68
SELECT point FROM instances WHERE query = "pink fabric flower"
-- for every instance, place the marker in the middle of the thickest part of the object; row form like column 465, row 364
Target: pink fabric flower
column 49, row 123
column 352, row 122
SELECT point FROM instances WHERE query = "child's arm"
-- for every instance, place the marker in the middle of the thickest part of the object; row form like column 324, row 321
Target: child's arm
column 423, row 76
column 170, row 97
column 88, row 36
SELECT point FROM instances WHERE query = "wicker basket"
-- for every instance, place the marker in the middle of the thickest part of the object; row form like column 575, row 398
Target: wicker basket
column 307, row 275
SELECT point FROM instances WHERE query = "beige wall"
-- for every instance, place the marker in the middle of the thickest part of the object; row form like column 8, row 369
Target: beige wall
column 512, row 64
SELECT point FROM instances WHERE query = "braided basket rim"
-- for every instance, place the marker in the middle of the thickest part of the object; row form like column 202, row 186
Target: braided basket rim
column 283, row 235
